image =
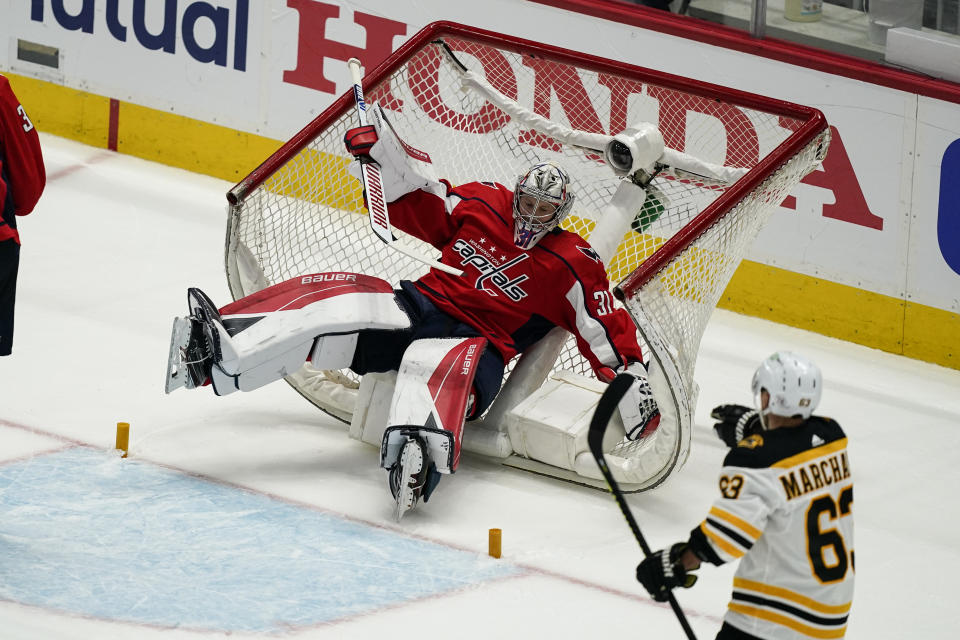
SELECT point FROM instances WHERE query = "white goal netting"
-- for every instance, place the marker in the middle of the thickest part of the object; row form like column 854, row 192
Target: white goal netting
column 300, row 212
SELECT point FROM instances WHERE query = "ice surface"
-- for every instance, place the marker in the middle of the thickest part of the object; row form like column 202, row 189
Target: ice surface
column 89, row 532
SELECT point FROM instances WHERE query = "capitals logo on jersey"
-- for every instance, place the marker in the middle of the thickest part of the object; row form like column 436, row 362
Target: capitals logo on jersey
column 493, row 277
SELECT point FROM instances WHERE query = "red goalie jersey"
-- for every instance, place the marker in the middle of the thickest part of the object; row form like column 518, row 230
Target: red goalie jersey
column 22, row 174
column 515, row 296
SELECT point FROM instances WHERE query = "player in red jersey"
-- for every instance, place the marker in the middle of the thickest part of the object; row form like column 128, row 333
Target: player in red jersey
column 22, row 178
column 522, row 276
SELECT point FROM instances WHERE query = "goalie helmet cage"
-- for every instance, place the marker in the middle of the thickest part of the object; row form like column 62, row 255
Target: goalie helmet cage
column 301, row 212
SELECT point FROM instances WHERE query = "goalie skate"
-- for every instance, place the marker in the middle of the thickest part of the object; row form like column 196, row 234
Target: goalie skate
column 408, row 476
column 204, row 312
column 188, row 364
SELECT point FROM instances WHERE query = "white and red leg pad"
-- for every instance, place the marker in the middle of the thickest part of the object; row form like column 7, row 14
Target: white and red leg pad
column 274, row 331
column 433, row 386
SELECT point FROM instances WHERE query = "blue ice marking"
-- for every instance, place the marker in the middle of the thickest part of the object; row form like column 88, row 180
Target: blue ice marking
column 948, row 219
column 84, row 531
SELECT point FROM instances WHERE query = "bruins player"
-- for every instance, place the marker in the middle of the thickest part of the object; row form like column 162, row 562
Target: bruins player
column 785, row 511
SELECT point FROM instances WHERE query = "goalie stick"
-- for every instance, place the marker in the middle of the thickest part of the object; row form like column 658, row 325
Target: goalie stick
column 598, row 425
column 373, row 186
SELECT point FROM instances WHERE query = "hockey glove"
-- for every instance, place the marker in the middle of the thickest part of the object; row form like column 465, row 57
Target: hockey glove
column 360, row 140
column 662, row 571
column 736, row 423
column 638, row 409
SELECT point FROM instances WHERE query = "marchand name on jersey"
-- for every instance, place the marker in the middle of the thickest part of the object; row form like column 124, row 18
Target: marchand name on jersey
column 815, row 475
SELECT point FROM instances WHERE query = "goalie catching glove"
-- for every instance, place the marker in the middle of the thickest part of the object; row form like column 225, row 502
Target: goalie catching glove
column 736, row 423
column 662, row 571
column 403, row 168
column 638, row 409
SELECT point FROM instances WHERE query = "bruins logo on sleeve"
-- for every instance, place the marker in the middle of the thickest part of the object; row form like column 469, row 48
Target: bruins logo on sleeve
column 751, row 442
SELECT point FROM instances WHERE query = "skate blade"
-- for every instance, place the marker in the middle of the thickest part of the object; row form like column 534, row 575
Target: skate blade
column 411, row 463
column 177, row 374
column 402, row 505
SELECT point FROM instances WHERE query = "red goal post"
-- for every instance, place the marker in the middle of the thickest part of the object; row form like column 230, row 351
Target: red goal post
column 486, row 106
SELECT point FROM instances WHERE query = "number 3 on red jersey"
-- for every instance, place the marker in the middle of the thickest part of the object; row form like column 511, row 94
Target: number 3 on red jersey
column 27, row 125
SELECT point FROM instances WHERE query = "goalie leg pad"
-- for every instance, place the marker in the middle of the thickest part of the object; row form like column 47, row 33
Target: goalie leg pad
column 274, row 332
column 277, row 368
column 433, row 388
column 271, row 329
column 333, row 351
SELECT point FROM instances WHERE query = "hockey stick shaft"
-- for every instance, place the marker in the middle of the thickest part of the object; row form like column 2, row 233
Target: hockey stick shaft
column 373, row 185
column 370, row 171
column 598, row 425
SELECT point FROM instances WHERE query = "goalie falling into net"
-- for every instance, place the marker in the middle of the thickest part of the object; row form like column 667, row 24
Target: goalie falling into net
column 447, row 336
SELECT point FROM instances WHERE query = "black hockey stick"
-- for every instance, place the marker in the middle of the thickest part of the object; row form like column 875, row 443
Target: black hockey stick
column 598, row 425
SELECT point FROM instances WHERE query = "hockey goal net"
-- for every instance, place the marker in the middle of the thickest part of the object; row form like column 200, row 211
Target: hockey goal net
column 486, row 107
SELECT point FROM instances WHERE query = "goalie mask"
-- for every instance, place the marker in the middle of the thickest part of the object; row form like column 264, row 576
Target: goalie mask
column 541, row 200
column 793, row 382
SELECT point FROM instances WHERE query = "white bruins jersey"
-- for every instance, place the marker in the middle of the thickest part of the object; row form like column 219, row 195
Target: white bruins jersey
column 786, row 513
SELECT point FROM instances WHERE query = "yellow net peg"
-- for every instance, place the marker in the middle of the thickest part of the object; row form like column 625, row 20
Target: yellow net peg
column 495, row 540
column 123, row 438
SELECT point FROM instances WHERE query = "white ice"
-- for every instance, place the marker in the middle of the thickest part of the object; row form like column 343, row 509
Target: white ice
column 107, row 257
